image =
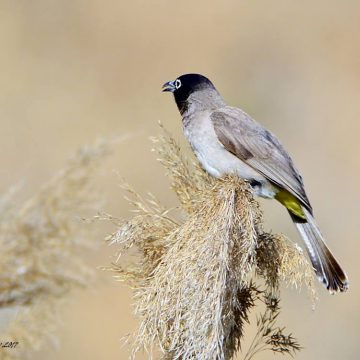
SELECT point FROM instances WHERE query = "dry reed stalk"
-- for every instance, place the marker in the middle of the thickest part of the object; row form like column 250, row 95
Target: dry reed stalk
column 42, row 244
column 194, row 280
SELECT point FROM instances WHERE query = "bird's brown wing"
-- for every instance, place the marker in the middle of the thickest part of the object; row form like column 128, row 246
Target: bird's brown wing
column 258, row 148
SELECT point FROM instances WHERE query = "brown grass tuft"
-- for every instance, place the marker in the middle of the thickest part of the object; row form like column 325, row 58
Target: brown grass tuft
column 194, row 281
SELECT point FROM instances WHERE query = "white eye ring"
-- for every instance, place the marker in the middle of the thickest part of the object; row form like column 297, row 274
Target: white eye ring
column 177, row 83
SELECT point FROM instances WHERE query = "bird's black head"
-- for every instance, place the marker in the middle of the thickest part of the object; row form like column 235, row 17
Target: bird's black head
column 185, row 85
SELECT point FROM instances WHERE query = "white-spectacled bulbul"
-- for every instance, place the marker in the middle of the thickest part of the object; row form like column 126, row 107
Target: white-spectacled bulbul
column 228, row 141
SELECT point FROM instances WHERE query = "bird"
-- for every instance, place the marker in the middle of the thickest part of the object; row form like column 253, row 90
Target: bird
column 226, row 140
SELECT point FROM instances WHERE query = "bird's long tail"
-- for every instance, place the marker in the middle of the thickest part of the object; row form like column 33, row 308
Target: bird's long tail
column 326, row 267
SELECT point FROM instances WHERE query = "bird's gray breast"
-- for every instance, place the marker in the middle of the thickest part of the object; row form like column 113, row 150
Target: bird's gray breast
column 215, row 159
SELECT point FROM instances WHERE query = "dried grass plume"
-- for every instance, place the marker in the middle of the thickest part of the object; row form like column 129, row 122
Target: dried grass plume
column 42, row 243
column 204, row 265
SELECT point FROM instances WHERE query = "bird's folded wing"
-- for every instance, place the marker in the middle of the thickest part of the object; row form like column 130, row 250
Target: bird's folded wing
column 258, row 148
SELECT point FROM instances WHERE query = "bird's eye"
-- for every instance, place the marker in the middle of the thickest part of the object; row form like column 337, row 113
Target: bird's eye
column 177, row 83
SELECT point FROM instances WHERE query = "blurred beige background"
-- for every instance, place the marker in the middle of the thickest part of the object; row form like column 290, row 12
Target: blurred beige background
column 73, row 71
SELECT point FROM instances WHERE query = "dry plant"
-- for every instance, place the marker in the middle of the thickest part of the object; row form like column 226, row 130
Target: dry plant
column 199, row 269
column 42, row 242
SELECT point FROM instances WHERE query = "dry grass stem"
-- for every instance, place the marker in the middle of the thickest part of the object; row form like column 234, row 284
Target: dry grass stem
column 42, row 244
column 195, row 276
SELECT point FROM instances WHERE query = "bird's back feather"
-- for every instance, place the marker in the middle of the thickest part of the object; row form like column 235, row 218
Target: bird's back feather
column 258, row 148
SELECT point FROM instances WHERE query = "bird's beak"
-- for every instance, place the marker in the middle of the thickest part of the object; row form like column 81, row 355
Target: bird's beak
column 169, row 86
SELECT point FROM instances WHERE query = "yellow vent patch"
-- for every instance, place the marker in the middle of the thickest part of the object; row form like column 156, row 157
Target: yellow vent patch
column 290, row 202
